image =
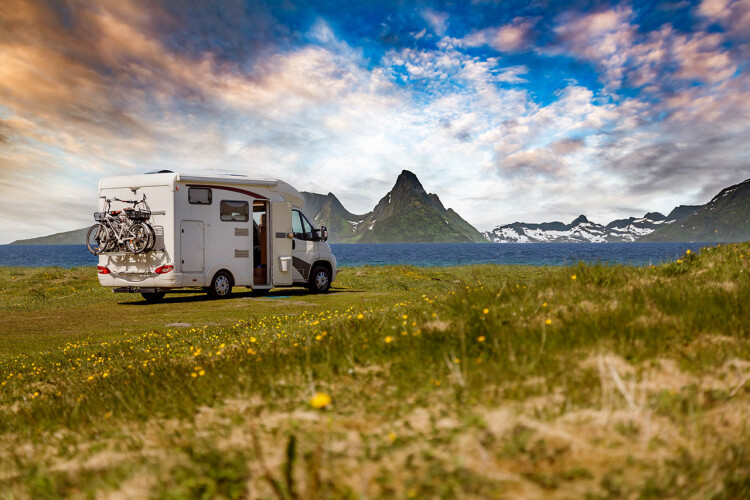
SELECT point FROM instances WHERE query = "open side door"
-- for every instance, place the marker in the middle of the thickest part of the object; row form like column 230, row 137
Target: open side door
column 281, row 229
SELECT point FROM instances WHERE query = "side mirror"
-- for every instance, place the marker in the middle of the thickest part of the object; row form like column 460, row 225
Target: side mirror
column 323, row 233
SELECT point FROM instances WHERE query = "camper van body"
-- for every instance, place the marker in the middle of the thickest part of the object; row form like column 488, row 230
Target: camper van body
column 205, row 227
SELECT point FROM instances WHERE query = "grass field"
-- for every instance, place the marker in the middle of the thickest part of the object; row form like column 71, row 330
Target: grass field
column 468, row 382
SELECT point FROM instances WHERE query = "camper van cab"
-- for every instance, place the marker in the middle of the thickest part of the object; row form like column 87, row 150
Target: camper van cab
column 217, row 232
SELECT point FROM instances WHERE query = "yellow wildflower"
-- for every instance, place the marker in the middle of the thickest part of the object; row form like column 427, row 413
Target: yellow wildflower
column 388, row 339
column 320, row 400
column 547, row 321
column 486, row 310
column 573, row 277
column 481, row 338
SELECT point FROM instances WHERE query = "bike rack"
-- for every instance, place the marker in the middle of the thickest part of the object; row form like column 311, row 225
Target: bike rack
column 116, row 254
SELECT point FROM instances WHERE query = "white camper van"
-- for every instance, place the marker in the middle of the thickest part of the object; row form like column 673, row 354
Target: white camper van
column 212, row 232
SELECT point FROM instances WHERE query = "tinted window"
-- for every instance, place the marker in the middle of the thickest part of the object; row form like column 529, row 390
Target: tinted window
column 307, row 227
column 297, row 225
column 199, row 196
column 238, row 211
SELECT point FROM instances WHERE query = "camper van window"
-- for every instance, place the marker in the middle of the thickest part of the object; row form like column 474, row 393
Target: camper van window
column 297, row 225
column 307, row 228
column 236, row 211
column 199, row 196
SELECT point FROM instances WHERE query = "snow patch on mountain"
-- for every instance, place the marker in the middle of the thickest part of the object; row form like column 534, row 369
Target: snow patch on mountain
column 581, row 230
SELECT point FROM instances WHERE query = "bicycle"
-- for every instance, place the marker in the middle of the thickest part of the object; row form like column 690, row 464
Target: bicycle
column 118, row 230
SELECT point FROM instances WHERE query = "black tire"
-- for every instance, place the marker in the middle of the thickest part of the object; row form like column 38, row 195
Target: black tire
column 138, row 238
column 151, row 237
column 221, row 286
column 98, row 239
column 320, row 280
column 153, row 297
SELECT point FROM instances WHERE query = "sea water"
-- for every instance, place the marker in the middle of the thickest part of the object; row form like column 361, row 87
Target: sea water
column 415, row 254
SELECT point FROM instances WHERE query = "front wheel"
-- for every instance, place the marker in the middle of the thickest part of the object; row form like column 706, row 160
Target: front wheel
column 320, row 280
column 98, row 239
column 221, row 286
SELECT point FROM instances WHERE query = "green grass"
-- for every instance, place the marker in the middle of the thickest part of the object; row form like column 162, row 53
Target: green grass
column 466, row 382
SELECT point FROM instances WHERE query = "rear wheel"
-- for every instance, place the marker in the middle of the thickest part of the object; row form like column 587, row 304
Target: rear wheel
column 320, row 280
column 221, row 286
column 138, row 237
column 153, row 296
column 98, row 239
column 151, row 237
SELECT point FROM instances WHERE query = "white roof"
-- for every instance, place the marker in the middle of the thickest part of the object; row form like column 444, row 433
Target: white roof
column 284, row 189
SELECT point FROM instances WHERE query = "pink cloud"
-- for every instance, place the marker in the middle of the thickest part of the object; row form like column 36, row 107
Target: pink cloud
column 507, row 38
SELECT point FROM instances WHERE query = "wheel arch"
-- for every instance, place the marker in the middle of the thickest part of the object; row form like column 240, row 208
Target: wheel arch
column 323, row 263
column 221, row 266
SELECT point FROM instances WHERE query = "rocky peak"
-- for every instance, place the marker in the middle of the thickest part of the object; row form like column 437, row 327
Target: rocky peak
column 407, row 179
column 657, row 216
column 581, row 219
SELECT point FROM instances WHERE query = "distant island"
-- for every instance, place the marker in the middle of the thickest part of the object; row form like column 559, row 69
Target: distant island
column 408, row 214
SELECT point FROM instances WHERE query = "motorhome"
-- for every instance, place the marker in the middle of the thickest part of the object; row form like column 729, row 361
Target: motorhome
column 214, row 232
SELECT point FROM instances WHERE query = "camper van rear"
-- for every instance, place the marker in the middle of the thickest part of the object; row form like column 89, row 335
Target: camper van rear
column 211, row 232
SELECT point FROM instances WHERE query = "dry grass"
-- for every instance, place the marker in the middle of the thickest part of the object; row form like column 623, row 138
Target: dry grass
column 486, row 382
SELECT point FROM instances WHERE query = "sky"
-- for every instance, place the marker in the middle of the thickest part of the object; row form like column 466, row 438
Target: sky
column 509, row 110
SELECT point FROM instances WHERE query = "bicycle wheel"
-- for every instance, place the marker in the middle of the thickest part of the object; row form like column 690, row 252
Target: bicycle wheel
column 98, row 239
column 137, row 238
column 151, row 237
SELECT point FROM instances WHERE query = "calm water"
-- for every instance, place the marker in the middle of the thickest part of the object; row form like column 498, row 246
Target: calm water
column 436, row 254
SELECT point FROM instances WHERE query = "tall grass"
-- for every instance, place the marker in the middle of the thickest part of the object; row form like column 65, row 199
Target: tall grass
column 419, row 364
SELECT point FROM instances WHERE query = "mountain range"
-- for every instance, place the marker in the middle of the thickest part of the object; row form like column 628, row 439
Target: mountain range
column 725, row 218
column 408, row 214
column 579, row 231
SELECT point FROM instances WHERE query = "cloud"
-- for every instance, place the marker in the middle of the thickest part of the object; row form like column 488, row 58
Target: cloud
column 438, row 21
column 733, row 15
column 567, row 145
column 94, row 90
column 659, row 61
column 510, row 37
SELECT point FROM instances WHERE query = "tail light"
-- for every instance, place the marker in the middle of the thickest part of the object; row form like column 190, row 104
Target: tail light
column 164, row 269
column 102, row 270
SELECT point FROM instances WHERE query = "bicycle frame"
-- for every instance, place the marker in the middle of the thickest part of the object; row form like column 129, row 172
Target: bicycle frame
column 126, row 229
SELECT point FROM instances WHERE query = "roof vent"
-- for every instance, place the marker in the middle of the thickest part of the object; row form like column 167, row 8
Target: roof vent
column 160, row 172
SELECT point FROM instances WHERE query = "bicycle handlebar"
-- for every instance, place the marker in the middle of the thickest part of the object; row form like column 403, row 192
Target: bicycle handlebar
column 134, row 202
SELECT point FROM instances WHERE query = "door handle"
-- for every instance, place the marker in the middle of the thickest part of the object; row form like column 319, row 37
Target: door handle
column 294, row 244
